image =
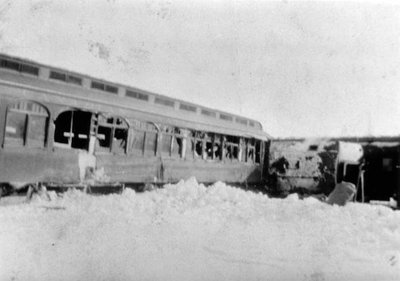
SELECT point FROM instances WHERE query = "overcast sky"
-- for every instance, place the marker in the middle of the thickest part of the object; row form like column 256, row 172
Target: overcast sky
column 301, row 68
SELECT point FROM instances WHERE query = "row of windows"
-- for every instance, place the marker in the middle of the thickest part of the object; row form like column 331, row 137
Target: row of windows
column 27, row 123
column 20, row 67
column 65, row 78
column 72, row 79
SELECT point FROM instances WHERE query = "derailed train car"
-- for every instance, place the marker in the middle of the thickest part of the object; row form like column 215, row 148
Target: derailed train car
column 62, row 128
column 313, row 165
column 316, row 165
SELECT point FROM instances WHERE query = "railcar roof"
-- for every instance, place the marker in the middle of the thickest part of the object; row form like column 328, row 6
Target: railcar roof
column 60, row 80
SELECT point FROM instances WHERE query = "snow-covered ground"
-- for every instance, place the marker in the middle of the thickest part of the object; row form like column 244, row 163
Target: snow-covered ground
column 189, row 232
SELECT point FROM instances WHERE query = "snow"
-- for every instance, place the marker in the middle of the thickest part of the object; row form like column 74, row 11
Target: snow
column 186, row 231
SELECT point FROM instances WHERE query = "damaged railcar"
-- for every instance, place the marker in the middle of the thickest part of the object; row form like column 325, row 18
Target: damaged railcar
column 313, row 165
column 62, row 128
column 316, row 165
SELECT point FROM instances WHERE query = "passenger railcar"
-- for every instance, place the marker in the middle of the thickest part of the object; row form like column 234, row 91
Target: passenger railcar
column 65, row 128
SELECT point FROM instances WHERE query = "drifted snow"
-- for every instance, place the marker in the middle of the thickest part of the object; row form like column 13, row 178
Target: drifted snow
column 189, row 232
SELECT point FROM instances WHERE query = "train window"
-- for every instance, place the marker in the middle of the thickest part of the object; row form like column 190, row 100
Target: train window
column 104, row 87
column 250, row 151
column 57, row 76
column 187, row 107
column 112, row 134
column 166, row 144
column 29, row 69
column 137, row 95
column 171, row 141
column 37, row 125
column 97, row 85
column 138, row 142
column 74, row 80
column 242, row 150
column 217, row 147
column 188, row 146
column 26, row 124
column 225, row 117
column 241, row 121
column 176, row 146
column 231, row 147
column 111, row 89
column 65, row 78
column 104, row 137
column 182, row 141
column 144, row 138
column 208, row 113
column 198, row 148
column 165, row 102
column 72, row 129
column 15, row 128
column 25, row 68
column 9, row 64
column 209, row 149
column 151, row 143
column 212, row 147
column 197, row 144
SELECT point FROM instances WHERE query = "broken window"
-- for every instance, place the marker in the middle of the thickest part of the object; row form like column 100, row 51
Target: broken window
column 231, row 147
column 212, row 146
column 209, row 149
column 169, row 143
column 251, row 151
column 26, row 124
column 72, row 129
column 177, row 143
column 188, row 146
column 242, row 150
column 198, row 144
column 185, row 143
column 217, row 149
column 112, row 134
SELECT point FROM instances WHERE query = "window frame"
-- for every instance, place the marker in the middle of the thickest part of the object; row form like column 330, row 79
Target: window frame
column 111, row 148
column 28, row 116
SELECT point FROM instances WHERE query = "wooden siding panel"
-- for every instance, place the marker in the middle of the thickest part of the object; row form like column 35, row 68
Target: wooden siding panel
column 139, row 169
column 36, row 165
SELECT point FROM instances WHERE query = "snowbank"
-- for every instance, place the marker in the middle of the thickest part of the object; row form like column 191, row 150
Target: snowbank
column 189, row 232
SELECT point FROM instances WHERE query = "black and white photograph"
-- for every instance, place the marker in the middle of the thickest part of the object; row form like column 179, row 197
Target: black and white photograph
column 199, row 140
